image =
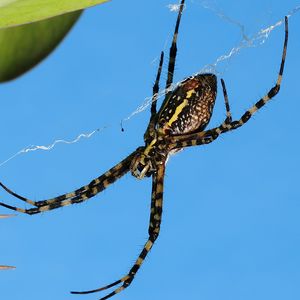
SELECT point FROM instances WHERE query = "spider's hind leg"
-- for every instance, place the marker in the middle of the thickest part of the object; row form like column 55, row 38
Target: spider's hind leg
column 154, row 228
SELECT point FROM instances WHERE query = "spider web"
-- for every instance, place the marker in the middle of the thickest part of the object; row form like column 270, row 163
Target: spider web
column 247, row 42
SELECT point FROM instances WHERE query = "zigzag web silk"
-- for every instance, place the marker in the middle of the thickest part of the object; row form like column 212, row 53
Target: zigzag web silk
column 253, row 41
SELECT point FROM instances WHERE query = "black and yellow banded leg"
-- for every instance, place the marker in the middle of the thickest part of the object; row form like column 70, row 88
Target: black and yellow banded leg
column 272, row 92
column 206, row 137
column 227, row 106
column 154, row 228
column 82, row 194
column 151, row 126
column 156, row 86
column 173, row 49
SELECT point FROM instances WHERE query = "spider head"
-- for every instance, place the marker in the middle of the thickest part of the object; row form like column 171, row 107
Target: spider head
column 141, row 166
column 144, row 163
column 148, row 158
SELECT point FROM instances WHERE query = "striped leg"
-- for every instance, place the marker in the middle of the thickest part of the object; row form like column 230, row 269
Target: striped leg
column 206, row 137
column 201, row 138
column 82, row 194
column 156, row 87
column 171, row 67
column 154, row 228
column 272, row 92
column 228, row 112
column 151, row 127
column 173, row 49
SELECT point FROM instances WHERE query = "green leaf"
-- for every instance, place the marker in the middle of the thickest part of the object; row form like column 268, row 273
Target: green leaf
column 22, row 47
column 17, row 12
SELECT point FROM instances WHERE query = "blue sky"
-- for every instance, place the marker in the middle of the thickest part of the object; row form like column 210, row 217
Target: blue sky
column 231, row 226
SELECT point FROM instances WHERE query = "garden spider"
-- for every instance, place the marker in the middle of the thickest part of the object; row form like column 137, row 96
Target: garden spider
column 179, row 123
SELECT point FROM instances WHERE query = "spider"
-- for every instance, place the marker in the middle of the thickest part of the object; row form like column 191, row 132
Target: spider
column 180, row 122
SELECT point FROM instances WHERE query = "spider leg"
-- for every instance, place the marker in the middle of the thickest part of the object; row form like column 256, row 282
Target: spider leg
column 156, row 87
column 206, row 137
column 272, row 92
column 172, row 56
column 84, row 193
column 173, row 49
column 228, row 112
column 151, row 127
column 154, row 228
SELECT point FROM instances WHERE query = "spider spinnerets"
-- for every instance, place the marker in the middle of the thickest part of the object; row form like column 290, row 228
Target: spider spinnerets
column 180, row 122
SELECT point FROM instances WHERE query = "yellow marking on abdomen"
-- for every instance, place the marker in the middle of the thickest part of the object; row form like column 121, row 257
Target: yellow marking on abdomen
column 178, row 110
column 189, row 93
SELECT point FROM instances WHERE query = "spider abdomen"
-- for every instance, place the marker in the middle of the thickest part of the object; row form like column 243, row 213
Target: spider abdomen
column 189, row 107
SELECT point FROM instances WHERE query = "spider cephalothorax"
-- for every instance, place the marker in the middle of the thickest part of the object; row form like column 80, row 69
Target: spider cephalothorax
column 180, row 122
column 143, row 164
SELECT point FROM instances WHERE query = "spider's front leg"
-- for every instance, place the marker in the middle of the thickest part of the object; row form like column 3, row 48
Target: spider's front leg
column 154, row 228
column 272, row 92
column 173, row 48
column 84, row 193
